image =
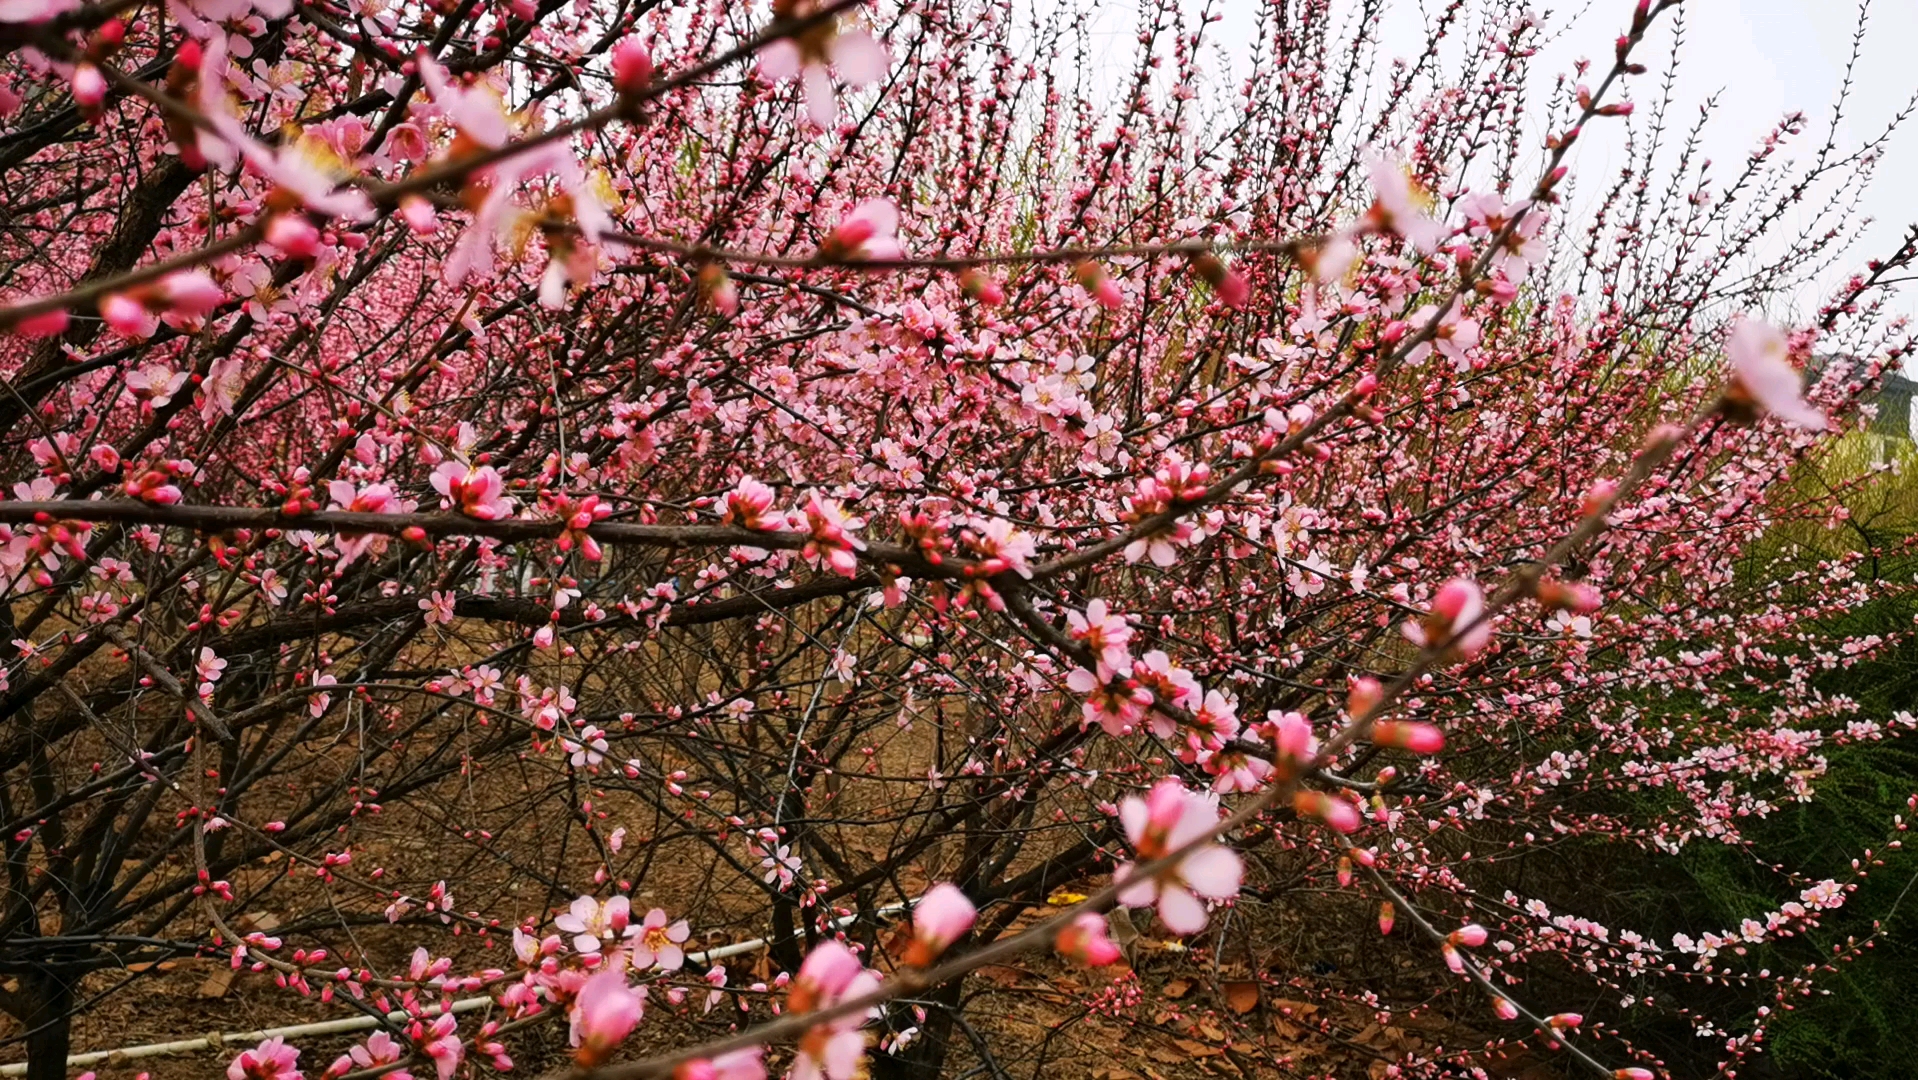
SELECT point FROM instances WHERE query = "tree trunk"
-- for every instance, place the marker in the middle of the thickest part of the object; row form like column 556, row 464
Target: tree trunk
column 49, row 1022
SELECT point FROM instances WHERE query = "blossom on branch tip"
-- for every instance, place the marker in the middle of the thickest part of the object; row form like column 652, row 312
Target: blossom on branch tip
column 632, row 66
column 604, row 1013
column 1334, row 811
column 1167, row 819
column 1418, row 738
column 941, row 917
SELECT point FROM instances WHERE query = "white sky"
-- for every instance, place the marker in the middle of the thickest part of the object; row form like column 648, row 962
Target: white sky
column 1764, row 58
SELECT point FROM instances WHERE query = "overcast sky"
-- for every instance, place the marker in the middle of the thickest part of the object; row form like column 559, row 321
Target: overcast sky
column 1764, row 58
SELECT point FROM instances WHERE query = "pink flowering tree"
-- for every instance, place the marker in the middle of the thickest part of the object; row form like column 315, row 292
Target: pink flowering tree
column 532, row 496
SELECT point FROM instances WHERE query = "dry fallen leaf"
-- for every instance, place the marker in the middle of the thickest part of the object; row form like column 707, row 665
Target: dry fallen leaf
column 1195, row 1048
column 1242, row 995
column 1177, row 989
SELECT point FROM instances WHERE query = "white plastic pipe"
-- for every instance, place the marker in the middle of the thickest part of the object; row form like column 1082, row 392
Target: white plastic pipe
column 218, row 1040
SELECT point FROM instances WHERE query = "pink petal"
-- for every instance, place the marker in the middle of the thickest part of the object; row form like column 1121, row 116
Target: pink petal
column 1213, row 871
column 1132, row 815
column 820, row 104
column 1180, row 911
column 1137, row 893
column 859, row 58
column 1758, row 352
column 779, row 60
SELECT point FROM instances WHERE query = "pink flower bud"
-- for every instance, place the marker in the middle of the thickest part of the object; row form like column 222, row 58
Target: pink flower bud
column 1336, row 812
column 124, row 314
column 718, row 288
column 190, row 292
column 89, row 87
column 941, row 917
column 1085, row 940
column 982, row 287
column 606, row 1011
column 1471, row 935
column 1504, row 1008
column 1387, row 916
column 419, row 215
column 294, row 236
column 632, row 66
column 1418, row 738
column 45, row 324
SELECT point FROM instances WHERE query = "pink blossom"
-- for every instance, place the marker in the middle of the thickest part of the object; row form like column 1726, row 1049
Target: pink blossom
column 1293, row 741
column 379, row 1049
column 1418, row 738
column 595, row 925
column 1455, row 338
column 1084, row 940
column 1166, row 820
column 604, row 1013
column 89, row 86
column 1099, row 285
column 1400, row 205
column 442, row 1043
column 749, row 506
column 829, row 975
column 658, row 944
column 813, row 55
column 155, row 384
column 45, row 324
column 475, row 111
column 271, row 1060
column 35, row 11
column 632, row 65
column 1762, row 375
column 586, row 752
column 1331, row 809
column 742, row 1064
column 475, row 492
column 438, row 607
column 1114, row 704
column 1103, row 632
column 127, row 316
column 832, row 544
column 1455, row 621
column 940, row 918
column 869, row 232
column 1487, row 214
